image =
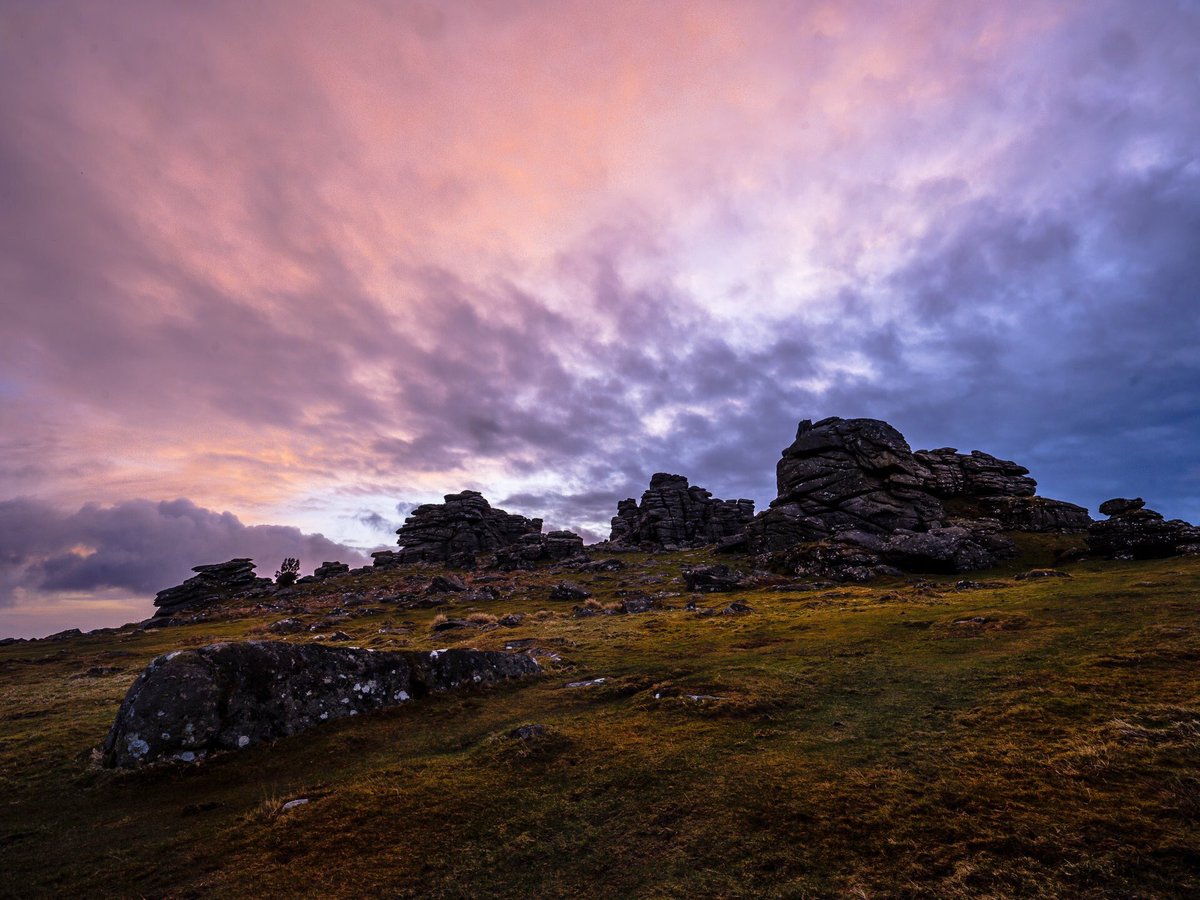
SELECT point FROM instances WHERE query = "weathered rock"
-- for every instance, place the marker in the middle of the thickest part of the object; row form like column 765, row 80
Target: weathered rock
column 711, row 579
column 953, row 549
column 445, row 584
column 845, row 474
column 837, row 560
column 453, row 532
column 191, row 703
column 534, row 548
column 386, row 559
column 954, row 474
column 211, row 584
column 566, row 590
column 1133, row 532
column 1120, row 505
column 675, row 514
column 981, row 485
column 330, row 570
column 1036, row 514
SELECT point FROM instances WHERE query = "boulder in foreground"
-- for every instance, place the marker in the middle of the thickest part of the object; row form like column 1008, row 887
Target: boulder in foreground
column 191, row 703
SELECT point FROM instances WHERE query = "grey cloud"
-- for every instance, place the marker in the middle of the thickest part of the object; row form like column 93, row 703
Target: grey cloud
column 138, row 545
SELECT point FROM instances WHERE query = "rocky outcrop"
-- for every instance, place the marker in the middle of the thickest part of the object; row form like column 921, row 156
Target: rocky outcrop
column 845, row 474
column 531, row 549
column 1035, row 514
column 675, row 514
column 330, row 570
column 1133, row 532
column 981, row 485
column 189, row 704
column 949, row 473
column 455, row 531
column 211, row 584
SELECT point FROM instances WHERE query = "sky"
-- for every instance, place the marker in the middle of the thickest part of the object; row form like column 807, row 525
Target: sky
column 273, row 273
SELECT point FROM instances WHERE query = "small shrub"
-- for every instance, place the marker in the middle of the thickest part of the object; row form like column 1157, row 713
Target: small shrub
column 289, row 571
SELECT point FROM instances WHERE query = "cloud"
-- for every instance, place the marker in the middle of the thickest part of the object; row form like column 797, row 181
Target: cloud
column 545, row 250
column 138, row 546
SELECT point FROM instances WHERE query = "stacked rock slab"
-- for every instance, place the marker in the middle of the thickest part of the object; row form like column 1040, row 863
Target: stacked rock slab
column 535, row 548
column 841, row 475
column 211, row 584
column 454, row 531
column 675, row 514
column 1133, row 532
column 984, row 486
column 191, row 703
column 330, row 570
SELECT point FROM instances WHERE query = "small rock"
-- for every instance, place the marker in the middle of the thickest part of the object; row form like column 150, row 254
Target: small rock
column 445, row 584
column 292, row 804
column 566, row 590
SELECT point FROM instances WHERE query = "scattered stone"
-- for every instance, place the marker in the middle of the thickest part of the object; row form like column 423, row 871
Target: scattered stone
column 449, row 624
column 292, row 804
column 1034, row 574
column 211, row 584
column 189, row 704
column 674, row 514
column 599, row 565
column 736, row 608
column 583, row 684
column 512, row 620
column 339, row 636
column 711, row 579
column 330, row 570
column 445, row 584
column 97, row 672
column 528, row 732
column 287, row 626
column 635, row 605
column 63, row 635
column 453, row 532
column 566, row 590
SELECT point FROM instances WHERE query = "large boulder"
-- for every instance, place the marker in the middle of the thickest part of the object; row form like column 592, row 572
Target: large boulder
column 1035, row 514
column 674, row 514
column 983, row 485
column 1133, row 532
column 845, row 474
column 453, row 532
column 534, row 548
column 191, row 703
column 212, row 583
column 952, row 474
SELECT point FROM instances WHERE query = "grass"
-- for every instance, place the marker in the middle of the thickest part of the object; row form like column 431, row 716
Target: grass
column 1035, row 738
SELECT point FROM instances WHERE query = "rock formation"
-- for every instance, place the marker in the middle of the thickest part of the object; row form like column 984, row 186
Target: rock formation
column 845, row 474
column 330, row 569
column 981, row 486
column 191, row 703
column 211, row 584
column 534, row 548
column 455, row 531
column 675, row 514
column 1134, row 532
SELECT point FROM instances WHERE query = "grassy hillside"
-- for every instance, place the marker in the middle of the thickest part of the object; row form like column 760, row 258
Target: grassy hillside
column 1031, row 737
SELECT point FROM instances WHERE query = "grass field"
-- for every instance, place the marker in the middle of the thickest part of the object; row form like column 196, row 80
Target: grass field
column 1030, row 738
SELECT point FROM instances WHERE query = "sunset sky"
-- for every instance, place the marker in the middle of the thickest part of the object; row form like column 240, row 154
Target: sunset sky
column 272, row 271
